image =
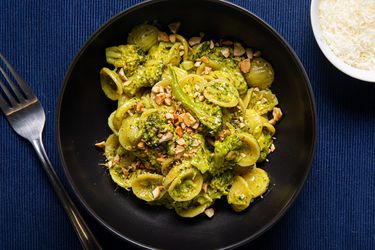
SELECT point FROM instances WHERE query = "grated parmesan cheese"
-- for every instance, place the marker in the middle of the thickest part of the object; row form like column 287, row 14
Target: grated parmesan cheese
column 348, row 27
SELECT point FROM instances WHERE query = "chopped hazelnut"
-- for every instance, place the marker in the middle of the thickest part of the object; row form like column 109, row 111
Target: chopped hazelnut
column 169, row 116
column 249, row 53
column 166, row 137
column 225, row 52
column 141, row 145
column 172, row 38
column 197, row 64
column 245, row 66
column 209, row 212
column 205, row 187
column 181, row 141
column 272, row 148
column 238, row 50
column 100, row 144
column 212, row 45
column 122, row 75
column 162, row 36
column 226, row 42
column 206, row 70
column 174, row 27
column 157, row 192
column 277, row 114
column 139, row 107
column 188, row 119
column 195, row 125
column 205, row 59
column 160, row 159
column 179, row 131
column 195, row 40
column 159, row 98
column 257, row 54
column 179, row 149
column 116, row 159
column 168, row 101
column 125, row 172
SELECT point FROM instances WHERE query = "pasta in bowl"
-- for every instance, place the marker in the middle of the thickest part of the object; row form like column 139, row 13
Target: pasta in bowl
column 193, row 119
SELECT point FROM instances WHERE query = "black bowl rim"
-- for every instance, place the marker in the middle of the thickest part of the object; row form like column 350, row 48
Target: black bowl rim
column 261, row 22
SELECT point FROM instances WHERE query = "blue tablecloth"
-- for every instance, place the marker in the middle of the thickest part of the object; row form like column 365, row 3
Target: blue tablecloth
column 335, row 210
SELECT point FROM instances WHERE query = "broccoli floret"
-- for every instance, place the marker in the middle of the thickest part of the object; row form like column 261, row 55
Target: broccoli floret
column 220, row 185
column 225, row 154
column 150, row 72
column 145, row 76
column 128, row 57
column 154, row 124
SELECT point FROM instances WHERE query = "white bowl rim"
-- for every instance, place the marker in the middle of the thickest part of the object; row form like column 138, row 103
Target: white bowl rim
column 364, row 75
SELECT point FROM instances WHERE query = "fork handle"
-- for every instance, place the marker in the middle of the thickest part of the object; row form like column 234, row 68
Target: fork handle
column 85, row 235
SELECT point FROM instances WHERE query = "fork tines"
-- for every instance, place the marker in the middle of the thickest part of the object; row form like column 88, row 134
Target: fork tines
column 20, row 92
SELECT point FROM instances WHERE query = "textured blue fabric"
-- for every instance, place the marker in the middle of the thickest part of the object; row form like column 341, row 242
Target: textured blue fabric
column 335, row 210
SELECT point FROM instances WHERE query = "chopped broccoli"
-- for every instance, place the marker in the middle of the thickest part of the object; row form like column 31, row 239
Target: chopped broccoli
column 150, row 72
column 224, row 154
column 128, row 57
column 220, row 185
column 155, row 123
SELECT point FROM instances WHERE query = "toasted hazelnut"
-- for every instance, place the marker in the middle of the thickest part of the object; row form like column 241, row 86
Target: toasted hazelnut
column 257, row 54
column 125, row 172
column 194, row 40
column 139, row 107
column 205, row 187
column 205, row 59
column 141, row 145
column 162, row 36
column 179, row 131
column 109, row 164
column 157, row 89
column 174, row 27
column 179, row 149
column 166, row 137
column 245, row 66
column 100, row 144
column 209, row 212
column 212, row 45
column 195, row 125
column 172, row 38
column 160, row 159
column 197, row 63
column 249, row 53
column 169, row 116
column 168, row 101
column 116, row 159
column 196, row 143
column 272, row 148
column 156, row 193
column 277, row 114
column 188, row 119
column 226, row 42
column 238, row 50
column 122, row 75
column 181, row 141
column 159, row 98
column 225, row 52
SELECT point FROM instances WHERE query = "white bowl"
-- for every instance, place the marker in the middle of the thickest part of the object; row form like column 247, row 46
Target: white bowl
column 364, row 75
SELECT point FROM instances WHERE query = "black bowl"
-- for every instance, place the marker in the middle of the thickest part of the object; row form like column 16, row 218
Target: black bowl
column 82, row 120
